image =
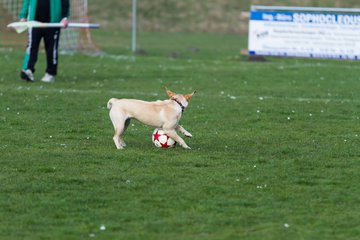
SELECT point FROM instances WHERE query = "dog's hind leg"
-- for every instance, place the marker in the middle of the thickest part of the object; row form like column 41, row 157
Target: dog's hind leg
column 119, row 142
column 183, row 131
column 119, row 122
column 172, row 133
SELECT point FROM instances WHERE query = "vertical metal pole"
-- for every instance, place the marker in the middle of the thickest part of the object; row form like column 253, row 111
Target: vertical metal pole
column 133, row 45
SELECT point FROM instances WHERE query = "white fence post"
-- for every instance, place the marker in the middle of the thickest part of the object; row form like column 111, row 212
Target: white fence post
column 133, row 45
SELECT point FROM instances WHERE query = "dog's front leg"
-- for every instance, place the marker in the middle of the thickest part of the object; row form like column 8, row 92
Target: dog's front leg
column 177, row 138
column 183, row 131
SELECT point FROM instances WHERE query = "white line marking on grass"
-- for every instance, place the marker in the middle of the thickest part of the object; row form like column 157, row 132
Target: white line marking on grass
column 131, row 93
column 302, row 99
column 119, row 57
column 86, row 91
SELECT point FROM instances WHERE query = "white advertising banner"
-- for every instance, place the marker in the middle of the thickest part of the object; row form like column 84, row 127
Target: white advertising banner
column 304, row 34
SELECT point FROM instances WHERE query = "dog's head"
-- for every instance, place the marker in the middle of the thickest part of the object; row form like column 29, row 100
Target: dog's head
column 182, row 99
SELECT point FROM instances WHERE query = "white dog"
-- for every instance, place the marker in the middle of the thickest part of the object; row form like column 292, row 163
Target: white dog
column 160, row 114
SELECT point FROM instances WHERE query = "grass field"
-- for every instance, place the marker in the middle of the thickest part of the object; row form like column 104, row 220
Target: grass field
column 275, row 152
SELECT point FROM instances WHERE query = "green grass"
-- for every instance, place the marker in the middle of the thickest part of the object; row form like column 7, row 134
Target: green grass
column 275, row 143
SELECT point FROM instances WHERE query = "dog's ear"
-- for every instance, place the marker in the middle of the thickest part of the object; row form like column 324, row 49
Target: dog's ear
column 188, row 96
column 169, row 93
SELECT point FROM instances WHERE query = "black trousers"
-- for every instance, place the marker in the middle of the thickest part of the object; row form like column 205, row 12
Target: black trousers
column 51, row 41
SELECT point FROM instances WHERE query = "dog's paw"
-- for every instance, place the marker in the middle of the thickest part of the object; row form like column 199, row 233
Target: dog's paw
column 189, row 135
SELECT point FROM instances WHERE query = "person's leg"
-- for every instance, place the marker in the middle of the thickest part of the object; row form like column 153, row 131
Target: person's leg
column 31, row 55
column 51, row 39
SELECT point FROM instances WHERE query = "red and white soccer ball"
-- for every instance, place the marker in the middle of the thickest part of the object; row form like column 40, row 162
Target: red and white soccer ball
column 161, row 140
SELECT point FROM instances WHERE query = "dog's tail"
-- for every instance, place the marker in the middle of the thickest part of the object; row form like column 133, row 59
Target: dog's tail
column 110, row 103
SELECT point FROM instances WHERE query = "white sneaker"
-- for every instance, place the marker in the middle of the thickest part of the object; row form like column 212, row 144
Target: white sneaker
column 48, row 78
column 27, row 75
